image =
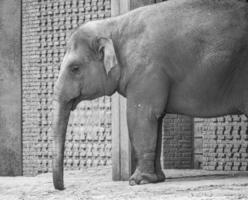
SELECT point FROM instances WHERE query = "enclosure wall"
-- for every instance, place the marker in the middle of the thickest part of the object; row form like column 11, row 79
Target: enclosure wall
column 224, row 142
column 10, row 88
column 46, row 26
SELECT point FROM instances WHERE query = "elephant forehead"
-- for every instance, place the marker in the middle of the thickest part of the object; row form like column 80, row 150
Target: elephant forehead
column 78, row 48
column 82, row 36
column 78, row 44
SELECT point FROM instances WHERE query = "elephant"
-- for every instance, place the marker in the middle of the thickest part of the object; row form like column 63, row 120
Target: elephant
column 185, row 57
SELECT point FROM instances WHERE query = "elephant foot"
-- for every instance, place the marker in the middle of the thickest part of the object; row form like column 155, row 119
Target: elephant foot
column 140, row 178
column 161, row 176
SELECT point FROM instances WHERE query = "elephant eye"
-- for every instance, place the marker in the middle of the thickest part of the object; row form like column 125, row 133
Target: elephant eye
column 75, row 68
column 100, row 54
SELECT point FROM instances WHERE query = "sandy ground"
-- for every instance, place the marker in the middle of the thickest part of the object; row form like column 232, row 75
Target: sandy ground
column 96, row 183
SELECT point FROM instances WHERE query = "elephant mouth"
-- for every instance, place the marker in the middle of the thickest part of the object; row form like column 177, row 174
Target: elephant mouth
column 74, row 103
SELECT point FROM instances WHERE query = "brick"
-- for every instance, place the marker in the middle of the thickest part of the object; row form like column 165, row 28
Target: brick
column 177, row 142
column 227, row 137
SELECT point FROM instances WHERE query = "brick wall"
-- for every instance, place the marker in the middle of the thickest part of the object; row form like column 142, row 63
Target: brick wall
column 225, row 142
column 47, row 24
column 177, row 142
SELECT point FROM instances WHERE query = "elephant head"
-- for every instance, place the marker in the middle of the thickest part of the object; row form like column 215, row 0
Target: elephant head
column 89, row 70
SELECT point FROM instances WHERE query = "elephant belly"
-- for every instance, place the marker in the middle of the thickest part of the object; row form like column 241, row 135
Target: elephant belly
column 205, row 101
column 197, row 108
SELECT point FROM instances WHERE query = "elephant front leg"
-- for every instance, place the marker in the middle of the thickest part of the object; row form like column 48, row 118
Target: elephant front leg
column 144, row 124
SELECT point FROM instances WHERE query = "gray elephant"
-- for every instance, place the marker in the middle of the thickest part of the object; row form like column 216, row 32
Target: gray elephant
column 181, row 56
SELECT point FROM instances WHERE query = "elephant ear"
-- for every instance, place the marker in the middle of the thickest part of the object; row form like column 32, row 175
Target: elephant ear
column 107, row 52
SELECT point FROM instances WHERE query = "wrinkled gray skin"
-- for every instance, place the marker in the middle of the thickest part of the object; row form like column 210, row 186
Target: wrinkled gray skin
column 182, row 56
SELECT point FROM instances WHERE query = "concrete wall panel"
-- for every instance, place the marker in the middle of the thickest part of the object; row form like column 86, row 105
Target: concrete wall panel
column 10, row 88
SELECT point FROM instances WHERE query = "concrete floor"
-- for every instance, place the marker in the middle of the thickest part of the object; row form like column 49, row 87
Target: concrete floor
column 96, row 183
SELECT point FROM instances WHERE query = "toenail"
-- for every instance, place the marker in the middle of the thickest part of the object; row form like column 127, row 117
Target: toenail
column 132, row 182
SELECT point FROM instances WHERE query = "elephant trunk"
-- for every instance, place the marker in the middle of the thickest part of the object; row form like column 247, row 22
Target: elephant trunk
column 61, row 115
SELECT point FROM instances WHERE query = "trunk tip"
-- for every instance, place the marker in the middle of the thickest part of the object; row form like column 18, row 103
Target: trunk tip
column 58, row 185
column 58, row 181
